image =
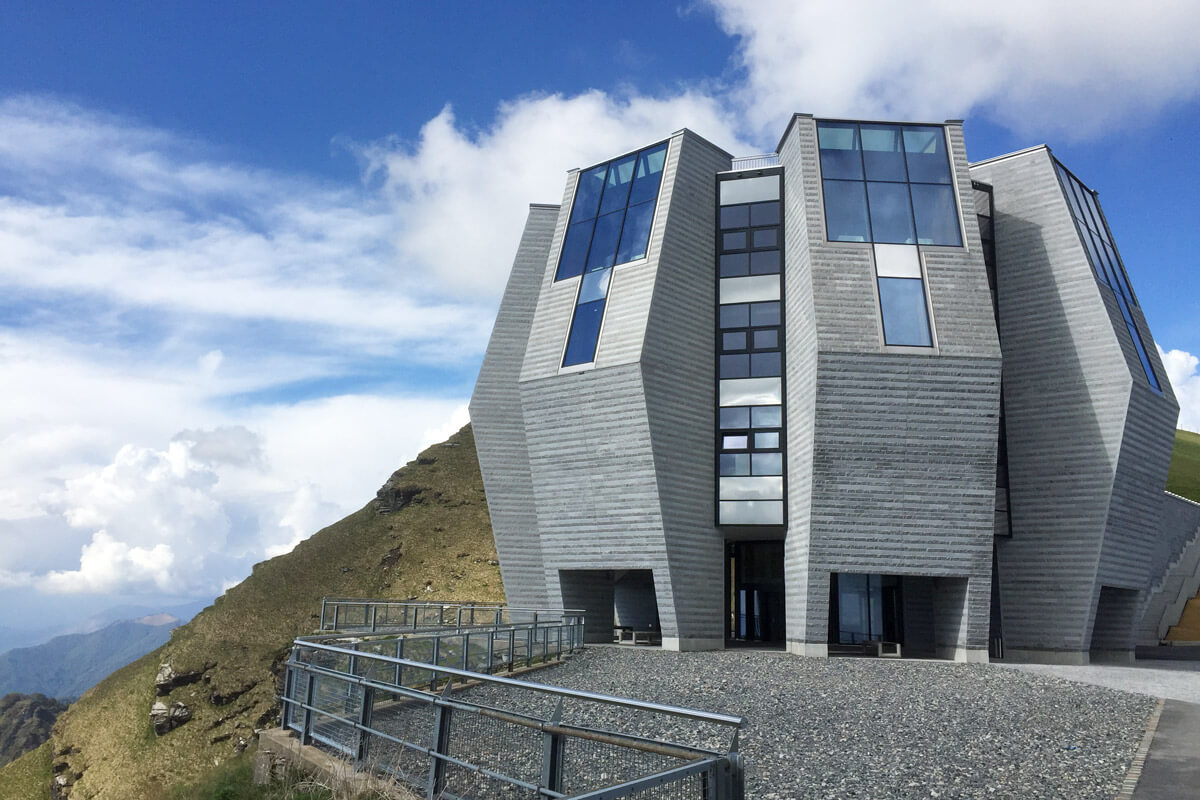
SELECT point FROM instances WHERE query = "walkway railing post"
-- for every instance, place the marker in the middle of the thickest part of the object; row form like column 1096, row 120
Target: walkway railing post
column 323, row 603
column 437, row 641
column 441, row 745
column 364, row 721
column 309, row 693
column 552, row 755
column 374, row 615
column 400, row 667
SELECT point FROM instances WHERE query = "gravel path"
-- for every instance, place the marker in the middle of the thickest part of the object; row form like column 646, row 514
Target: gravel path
column 1174, row 680
column 871, row 728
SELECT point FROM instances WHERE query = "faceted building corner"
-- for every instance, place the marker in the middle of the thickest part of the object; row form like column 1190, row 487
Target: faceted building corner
column 858, row 395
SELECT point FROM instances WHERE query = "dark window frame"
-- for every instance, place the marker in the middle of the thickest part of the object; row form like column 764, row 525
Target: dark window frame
column 748, row 329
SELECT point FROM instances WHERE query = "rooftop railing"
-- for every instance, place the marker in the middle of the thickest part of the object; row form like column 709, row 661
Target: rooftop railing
column 385, row 703
column 756, row 162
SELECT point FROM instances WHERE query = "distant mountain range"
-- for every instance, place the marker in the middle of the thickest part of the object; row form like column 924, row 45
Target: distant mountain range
column 67, row 666
column 12, row 637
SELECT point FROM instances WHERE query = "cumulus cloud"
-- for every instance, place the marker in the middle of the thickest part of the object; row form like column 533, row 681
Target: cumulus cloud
column 460, row 195
column 1073, row 68
column 1183, row 370
column 193, row 516
column 151, row 510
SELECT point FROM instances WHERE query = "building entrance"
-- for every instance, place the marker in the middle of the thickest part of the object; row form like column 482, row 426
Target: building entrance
column 754, row 592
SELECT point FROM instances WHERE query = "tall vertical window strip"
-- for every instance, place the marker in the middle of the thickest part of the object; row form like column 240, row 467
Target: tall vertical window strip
column 1102, row 254
column 610, row 224
column 750, row 342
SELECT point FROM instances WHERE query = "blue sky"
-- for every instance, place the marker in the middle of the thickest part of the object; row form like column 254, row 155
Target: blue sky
column 250, row 253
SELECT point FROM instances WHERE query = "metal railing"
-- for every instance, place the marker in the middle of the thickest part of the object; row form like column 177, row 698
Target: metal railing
column 376, row 701
column 756, row 162
column 486, row 650
column 353, row 614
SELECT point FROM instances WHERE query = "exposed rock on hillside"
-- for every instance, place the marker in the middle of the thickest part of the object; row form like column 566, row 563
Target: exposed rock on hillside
column 224, row 666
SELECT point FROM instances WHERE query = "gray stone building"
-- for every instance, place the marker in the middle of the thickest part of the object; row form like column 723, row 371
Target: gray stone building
column 852, row 394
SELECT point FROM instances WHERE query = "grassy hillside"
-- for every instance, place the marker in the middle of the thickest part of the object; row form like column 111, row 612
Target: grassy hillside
column 67, row 666
column 25, row 722
column 438, row 544
column 1184, row 476
column 28, row 778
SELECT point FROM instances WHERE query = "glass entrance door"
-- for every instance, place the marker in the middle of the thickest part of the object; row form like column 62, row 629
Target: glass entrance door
column 754, row 580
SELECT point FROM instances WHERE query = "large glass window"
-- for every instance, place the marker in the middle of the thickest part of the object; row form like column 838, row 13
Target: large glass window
column 1102, row 254
column 612, row 213
column 887, row 183
column 610, row 224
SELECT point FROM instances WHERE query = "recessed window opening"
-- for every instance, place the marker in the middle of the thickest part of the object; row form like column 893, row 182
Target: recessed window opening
column 891, row 185
column 610, row 223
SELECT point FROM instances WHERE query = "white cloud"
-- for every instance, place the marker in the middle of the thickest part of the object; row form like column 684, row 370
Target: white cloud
column 460, row 196
column 105, row 209
column 459, row 417
column 191, row 517
column 234, row 444
column 1182, row 371
column 1074, row 68
column 106, row 565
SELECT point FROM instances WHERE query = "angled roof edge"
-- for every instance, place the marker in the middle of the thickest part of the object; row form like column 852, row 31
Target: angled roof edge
column 1014, row 154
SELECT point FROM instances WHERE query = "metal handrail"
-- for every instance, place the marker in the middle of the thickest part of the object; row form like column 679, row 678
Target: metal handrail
column 626, row 702
column 383, row 634
column 370, row 612
column 751, row 162
column 337, row 685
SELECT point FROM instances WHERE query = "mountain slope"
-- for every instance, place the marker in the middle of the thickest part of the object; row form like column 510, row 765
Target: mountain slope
column 67, row 666
column 435, row 543
column 25, row 722
column 1183, row 478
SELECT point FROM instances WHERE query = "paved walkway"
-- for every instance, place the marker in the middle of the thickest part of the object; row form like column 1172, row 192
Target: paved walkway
column 1172, row 768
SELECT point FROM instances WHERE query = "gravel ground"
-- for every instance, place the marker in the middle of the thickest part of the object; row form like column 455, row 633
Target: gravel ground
column 866, row 728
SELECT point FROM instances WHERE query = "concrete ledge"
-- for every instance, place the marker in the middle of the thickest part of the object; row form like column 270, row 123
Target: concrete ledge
column 280, row 750
column 964, row 655
column 1111, row 656
column 1075, row 658
column 682, row 644
column 809, row 649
